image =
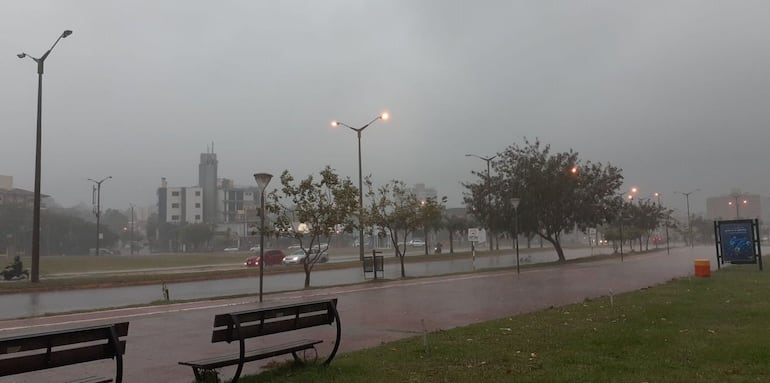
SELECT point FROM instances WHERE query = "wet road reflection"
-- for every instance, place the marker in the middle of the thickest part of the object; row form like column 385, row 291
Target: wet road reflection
column 35, row 304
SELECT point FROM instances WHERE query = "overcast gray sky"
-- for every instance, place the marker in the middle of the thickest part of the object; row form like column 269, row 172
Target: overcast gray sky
column 676, row 93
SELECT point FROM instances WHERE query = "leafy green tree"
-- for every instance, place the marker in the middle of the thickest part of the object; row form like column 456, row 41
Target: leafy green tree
column 430, row 215
column 394, row 211
column 324, row 205
column 455, row 224
column 195, row 235
column 114, row 219
column 558, row 192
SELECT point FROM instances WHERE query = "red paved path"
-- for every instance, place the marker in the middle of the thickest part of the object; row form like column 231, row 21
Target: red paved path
column 371, row 313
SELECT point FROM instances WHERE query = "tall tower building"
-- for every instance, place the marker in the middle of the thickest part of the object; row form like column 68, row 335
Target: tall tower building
column 207, row 180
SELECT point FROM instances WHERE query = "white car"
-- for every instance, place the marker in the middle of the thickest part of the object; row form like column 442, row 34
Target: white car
column 231, row 249
column 298, row 256
column 417, row 243
column 254, row 249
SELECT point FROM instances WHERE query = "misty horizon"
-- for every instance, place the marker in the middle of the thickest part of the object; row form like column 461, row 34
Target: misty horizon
column 674, row 93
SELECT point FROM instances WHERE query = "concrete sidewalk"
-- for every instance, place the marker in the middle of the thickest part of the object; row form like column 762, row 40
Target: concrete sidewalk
column 371, row 313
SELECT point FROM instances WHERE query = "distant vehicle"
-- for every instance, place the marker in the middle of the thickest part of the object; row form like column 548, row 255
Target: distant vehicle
column 102, row 251
column 298, row 256
column 231, row 249
column 272, row 257
column 255, row 248
column 416, row 243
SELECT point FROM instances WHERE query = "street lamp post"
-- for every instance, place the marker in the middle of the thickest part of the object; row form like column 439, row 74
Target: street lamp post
column 262, row 180
column 515, row 203
column 97, row 190
column 382, row 116
column 737, row 203
column 668, row 249
column 689, row 222
column 489, row 192
column 131, row 235
column 38, row 149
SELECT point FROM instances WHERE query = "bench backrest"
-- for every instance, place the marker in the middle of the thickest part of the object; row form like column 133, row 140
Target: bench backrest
column 20, row 354
column 272, row 320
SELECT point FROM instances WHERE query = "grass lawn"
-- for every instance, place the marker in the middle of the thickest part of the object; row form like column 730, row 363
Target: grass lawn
column 690, row 330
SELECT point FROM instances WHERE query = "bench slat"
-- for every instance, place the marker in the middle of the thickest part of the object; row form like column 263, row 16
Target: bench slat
column 59, row 338
column 92, row 379
column 59, row 358
column 257, row 329
column 252, row 355
column 272, row 312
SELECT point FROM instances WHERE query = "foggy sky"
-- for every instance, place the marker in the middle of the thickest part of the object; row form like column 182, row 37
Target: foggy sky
column 676, row 93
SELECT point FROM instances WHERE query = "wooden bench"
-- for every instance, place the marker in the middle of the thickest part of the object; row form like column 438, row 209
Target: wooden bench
column 21, row 354
column 239, row 326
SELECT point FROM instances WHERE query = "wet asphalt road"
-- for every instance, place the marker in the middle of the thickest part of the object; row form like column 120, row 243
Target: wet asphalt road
column 35, row 304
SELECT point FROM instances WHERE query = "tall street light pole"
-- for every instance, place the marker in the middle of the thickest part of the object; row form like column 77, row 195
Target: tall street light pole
column 131, row 234
column 262, row 180
column 668, row 248
column 737, row 204
column 489, row 192
column 515, row 203
column 38, row 149
column 383, row 116
column 98, row 212
column 689, row 222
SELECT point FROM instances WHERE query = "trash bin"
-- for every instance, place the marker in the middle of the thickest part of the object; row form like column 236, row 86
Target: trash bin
column 702, row 268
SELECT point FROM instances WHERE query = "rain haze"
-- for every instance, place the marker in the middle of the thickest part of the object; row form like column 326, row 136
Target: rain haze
column 676, row 93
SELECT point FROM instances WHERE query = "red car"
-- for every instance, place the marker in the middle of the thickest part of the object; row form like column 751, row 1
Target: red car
column 272, row 257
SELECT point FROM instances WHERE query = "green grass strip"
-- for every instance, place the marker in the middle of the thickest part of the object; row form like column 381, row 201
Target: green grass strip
column 689, row 330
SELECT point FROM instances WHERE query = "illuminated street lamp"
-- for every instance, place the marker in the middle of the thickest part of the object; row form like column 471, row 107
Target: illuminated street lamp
column 384, row 116
column 38, row 149
column 262, row 180
column 735, row 202
column 489, row 191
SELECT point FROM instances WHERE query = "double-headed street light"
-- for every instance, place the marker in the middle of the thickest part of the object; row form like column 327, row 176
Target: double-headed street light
column 36, row 210
column 96, row 199
column 262, row 180
column 689, row 222
column 735, row 202
column 383, row 116
column 489, row 191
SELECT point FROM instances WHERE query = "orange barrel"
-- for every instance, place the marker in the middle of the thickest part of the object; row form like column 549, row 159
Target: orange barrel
column 702, row 268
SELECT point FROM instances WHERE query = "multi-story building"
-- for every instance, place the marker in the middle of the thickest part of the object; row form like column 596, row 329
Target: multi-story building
column 13, row 196
column 180, row 204
column 207, row 181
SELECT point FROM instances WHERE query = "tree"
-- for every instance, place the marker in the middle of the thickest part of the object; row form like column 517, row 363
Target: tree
column 394, row 212
column 115, row 220
column 557, row 191
column 324, row 207
column 195, row 235
column 455, row 224
column 430, row 215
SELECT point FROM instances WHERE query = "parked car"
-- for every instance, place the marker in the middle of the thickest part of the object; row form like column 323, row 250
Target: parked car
column 297, row 256
column 272, row 257
column 231, row 249
column 416, row 243
column 254, row 249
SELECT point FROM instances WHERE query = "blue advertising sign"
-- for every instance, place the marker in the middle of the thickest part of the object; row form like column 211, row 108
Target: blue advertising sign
column 737, row 240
